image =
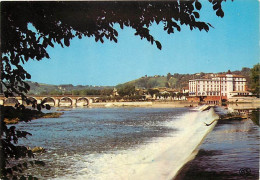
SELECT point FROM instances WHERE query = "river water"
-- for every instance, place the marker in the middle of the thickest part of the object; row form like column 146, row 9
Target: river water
column 117, row 143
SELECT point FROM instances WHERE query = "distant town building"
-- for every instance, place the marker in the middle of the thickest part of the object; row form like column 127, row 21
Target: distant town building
column 219, row 87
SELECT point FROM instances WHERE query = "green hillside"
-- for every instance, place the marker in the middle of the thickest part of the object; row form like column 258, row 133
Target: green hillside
column 42, row 89
column 178, row 81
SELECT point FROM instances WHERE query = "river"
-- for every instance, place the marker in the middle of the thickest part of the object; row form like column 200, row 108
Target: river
column 117, row 143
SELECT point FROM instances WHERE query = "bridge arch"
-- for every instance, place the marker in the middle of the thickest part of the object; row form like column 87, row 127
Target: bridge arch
column 11, row 101
column 96, row 100
column 49, row 100
column 82, row 101
column 66, row 101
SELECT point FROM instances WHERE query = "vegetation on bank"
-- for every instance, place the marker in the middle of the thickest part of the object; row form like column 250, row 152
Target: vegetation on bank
column 174, row 81
column 254, row 77
column 254, row 116
column 68, row 89
column 13, row 115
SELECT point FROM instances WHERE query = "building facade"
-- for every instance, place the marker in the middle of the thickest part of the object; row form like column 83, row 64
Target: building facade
column 218, row 88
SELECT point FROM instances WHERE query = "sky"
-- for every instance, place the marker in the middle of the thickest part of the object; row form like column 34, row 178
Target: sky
column 232, row 44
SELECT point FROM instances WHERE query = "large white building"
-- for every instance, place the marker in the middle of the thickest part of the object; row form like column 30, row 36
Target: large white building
column 222, row 86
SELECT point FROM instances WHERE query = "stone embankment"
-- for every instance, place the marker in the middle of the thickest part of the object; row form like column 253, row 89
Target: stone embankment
column 156, row 104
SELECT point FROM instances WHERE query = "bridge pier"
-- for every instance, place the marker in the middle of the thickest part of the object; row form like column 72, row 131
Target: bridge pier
column 39, row 101
column 57, row 102
column 74, row 102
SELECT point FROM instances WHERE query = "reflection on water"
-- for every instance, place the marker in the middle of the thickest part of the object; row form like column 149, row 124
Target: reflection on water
column 254, row 116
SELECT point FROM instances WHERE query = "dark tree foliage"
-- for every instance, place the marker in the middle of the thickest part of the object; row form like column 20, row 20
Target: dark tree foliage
column 153, row 91
column 126, row 90
column 60, row 22
column 9, row 151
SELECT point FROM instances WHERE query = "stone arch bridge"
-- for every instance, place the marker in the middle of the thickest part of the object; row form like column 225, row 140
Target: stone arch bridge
column 58, row 100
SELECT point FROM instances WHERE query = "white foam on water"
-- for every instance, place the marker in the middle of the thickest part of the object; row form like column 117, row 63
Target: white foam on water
column 160, row 159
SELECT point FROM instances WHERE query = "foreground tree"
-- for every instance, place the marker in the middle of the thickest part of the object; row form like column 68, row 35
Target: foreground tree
column 29, row 28
column 60, row 22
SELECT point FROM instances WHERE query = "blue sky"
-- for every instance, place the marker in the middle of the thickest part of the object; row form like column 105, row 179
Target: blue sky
column 233, row 43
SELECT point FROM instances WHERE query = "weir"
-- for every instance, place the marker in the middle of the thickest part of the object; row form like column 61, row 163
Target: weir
column 161, row 158
column 183, row 148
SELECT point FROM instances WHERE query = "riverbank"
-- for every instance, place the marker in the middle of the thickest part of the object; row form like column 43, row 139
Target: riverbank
column 154, row 104
column 14, row 116
column 227, row 151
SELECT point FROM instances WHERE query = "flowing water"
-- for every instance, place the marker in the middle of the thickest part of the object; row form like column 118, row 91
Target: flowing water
column 117, row 143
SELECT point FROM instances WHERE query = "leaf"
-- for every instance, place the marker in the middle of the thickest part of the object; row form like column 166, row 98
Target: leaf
column 115, row 39
column 48, row 107
column 196, row 14
column 210, row 25
column 67, row 41
column 27, row 87
column 39, row 107
column 216, row 6
column 198, row 5
column 28, row 76
column 220, row 13
column 16, row 60
column 158, row 44
column 51, row 44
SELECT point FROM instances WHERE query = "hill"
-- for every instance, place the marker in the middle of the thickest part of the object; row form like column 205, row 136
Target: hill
column 42, row 89
column 178, row 81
